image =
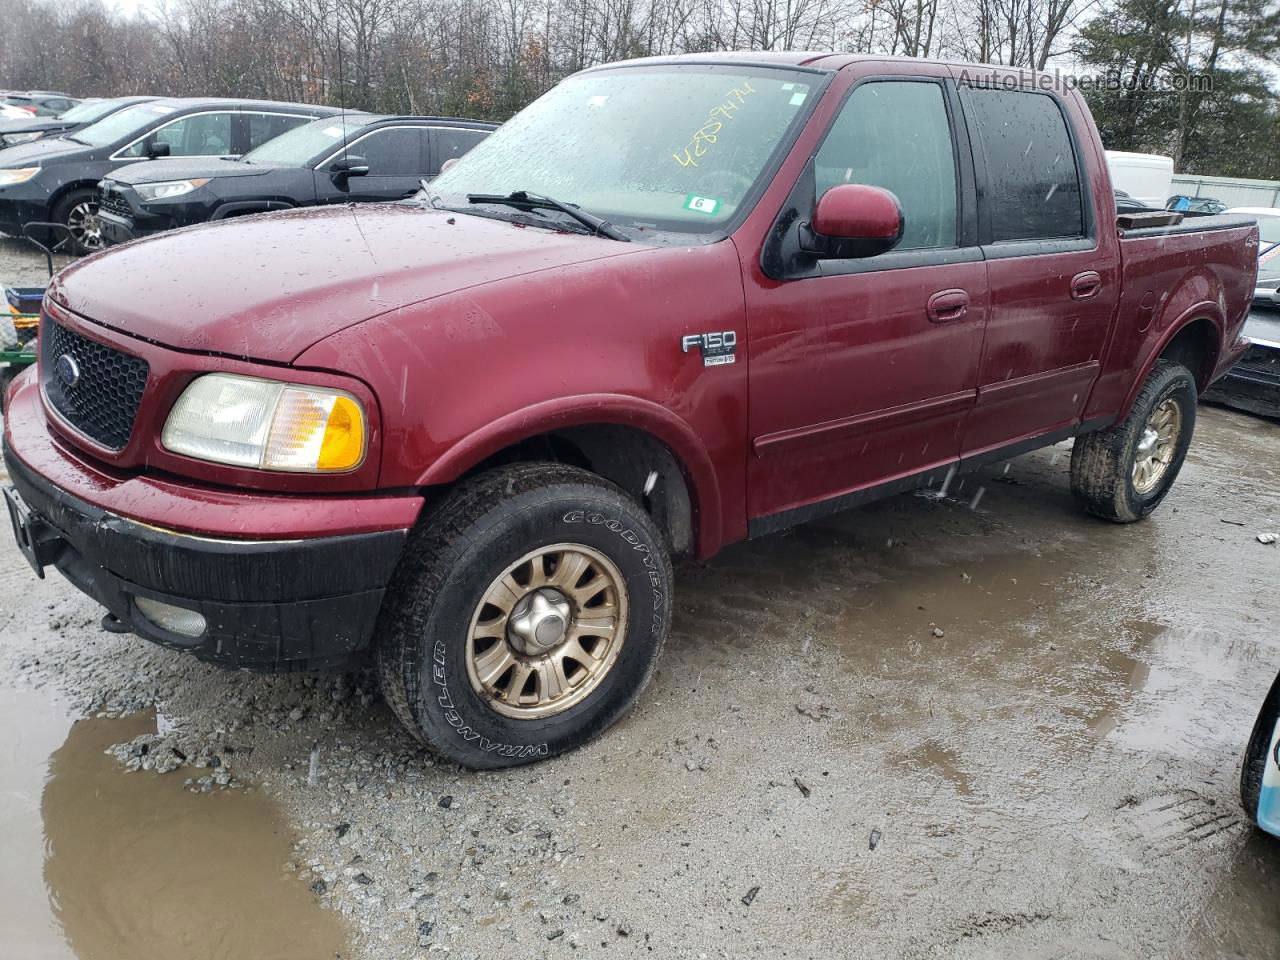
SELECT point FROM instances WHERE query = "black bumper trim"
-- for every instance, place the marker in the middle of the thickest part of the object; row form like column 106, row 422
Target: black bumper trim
column 273, row 605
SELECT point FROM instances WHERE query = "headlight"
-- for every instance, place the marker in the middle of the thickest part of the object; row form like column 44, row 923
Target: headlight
column 13, row 138
column 9, row 178
column 266, row 425
column 168, row 188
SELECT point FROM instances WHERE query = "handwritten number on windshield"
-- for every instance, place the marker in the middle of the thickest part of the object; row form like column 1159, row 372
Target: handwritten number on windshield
column 716, row 119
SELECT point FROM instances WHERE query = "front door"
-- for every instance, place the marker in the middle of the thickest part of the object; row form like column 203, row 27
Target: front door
column 861, row 376
column 398, row 159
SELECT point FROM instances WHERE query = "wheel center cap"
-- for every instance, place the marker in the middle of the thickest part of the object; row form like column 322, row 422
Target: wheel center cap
column 1147, row 445
column 539, row 621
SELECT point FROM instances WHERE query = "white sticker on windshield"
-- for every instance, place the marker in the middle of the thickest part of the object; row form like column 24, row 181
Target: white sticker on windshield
column 788, row 86
column 160, row 111
column 797, row 98
column 707, row 205
column 598, row 100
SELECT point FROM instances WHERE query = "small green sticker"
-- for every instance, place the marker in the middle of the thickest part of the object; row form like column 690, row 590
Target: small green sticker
column 706, row 205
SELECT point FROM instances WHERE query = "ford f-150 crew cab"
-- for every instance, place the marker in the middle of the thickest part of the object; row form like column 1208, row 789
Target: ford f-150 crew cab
column 672, row 304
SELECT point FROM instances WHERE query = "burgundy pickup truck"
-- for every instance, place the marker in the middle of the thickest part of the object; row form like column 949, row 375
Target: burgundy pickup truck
column 672, row 304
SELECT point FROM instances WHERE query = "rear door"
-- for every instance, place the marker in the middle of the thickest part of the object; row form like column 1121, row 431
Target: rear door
column 1052, row 269
column 398, row 157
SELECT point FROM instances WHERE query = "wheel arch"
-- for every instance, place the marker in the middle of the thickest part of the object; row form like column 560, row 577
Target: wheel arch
column 240, row 208
column 1194, row 339
column 644, row 448
column 71, row 186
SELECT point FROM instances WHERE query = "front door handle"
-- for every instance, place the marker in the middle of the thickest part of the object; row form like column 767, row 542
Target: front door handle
column 1085, row 286
column 948, row 306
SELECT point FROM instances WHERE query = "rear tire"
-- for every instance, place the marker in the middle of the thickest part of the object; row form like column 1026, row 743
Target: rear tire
column 511, row 573
column 1122, row 473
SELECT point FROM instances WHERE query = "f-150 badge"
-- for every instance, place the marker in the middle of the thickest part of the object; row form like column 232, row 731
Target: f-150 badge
column 717, row 348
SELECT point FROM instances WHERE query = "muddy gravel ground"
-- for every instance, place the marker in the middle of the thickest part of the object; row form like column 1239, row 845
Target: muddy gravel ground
column 974, row 726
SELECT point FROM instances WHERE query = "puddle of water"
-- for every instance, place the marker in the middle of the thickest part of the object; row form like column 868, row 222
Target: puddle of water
column 101, row 864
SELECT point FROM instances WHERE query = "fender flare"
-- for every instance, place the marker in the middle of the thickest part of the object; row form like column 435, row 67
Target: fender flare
column 1203, row 310
column 248, row 206
column 594, row 410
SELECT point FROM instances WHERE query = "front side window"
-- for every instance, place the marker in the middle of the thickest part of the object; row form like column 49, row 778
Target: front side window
column 396, row 152
column 1033, row 187
column 651, row 149
column 199, row 135
column 896, row 135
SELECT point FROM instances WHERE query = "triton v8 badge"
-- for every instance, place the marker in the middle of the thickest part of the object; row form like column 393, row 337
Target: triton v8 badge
column 717, row 348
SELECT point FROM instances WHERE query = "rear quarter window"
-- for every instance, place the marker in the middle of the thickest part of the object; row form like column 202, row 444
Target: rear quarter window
column 1033, row 184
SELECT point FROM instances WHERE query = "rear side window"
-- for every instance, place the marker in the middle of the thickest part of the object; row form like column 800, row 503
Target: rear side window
column 1033, row 187
column 451, row 144
column 896, row 135
column 268, row 126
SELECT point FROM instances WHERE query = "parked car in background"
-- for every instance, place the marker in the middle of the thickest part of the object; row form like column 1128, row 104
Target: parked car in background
column 1253, row 384
column 1146, row 177
column 356, row 157
column 8, row 112
column 468, row 433
column 1260, row 772
column 1128, row 204
column 57, row 179
column 1195, row 206
column 42, row 103
column 14, row 132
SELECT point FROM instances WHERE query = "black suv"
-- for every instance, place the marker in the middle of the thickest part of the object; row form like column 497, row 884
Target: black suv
column 57, row 178
column 354, row 157
column 13, row 132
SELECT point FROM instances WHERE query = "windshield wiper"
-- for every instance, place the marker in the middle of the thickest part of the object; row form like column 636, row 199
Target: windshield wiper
column 67, row 136
column 524, row 200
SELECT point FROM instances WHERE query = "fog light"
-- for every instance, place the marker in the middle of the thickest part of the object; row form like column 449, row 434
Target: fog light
column 179, row 620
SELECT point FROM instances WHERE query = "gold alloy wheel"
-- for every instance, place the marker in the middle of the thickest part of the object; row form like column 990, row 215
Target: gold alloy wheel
column 547, row 631
column 1156, row 446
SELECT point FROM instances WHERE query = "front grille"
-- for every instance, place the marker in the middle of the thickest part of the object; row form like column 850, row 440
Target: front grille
column 96, row 388
column 112, row 202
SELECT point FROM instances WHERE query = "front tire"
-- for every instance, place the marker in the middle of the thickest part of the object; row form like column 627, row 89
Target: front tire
column 1123, row 472
column 79, row 211
column 526, row 615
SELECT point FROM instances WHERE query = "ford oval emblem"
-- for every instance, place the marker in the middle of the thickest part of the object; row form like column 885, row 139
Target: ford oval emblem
column 67, row 369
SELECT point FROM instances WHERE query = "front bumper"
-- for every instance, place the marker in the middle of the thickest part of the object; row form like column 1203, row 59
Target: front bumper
column 292, row 603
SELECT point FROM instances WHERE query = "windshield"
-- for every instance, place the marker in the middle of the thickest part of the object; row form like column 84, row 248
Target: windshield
column 89, row 111
column 127, row 123
column 649, row 149
column 297, row 146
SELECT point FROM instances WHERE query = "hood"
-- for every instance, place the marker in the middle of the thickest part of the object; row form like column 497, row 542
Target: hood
column 187, row 168
column 39, row 153
column 268, row 287
column 42, row 125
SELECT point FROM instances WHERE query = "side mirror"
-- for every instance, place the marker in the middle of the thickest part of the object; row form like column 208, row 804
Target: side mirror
column 853, row 220
column 349, row 167
column 156, row 150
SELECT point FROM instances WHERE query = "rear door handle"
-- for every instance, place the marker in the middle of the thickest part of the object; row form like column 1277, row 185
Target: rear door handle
column 1085, row 286
column 948, row 306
